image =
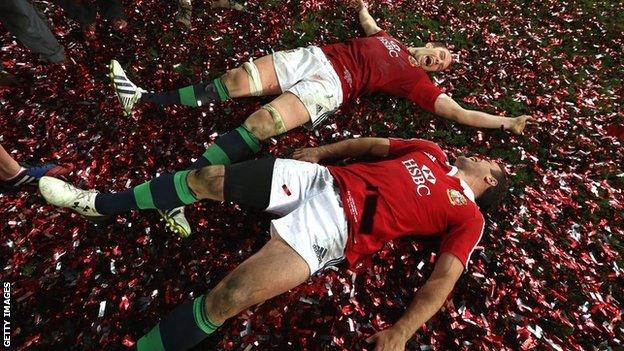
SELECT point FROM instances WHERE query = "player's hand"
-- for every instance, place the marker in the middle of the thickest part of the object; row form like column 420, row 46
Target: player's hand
column 520, row 123
column 308, row 154
column 391, row 339
column 358, row 4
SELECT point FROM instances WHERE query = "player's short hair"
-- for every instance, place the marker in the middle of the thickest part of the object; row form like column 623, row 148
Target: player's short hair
column 437, row 44
column 493, row 196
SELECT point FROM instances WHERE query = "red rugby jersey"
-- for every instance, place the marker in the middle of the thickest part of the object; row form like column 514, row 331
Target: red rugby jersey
column 380, row 63
column 412, row 192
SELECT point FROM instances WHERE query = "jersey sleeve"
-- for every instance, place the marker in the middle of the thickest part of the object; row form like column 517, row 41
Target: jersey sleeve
column 399, row 147
column 424, row 94
column 462, row 238
column 381, row 33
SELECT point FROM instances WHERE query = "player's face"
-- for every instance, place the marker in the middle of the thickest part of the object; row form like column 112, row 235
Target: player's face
column 430, row 58
column 477, row 166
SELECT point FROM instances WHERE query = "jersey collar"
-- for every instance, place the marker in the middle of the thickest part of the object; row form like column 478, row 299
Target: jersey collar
column 467, row 191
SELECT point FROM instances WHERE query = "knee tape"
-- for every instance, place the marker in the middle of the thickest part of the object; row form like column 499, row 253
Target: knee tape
column 280, row 127
column 255, row 84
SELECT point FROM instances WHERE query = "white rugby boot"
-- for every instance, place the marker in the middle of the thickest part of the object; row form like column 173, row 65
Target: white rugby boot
column 127, row 92
column 62, row 194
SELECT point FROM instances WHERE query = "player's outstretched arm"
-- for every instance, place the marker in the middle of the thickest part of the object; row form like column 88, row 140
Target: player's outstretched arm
column 378, row 147
column 427, row 302
column 367, row 21
column 446, row 107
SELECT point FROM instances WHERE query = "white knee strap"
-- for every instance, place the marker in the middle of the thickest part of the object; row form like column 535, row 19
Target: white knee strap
column 280, row 127
column 255, row 84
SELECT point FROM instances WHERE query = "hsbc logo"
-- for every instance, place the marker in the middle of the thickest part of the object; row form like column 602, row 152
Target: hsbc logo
column 428, row 174
column 421, row 175
column 393, row 48
column 431, row 157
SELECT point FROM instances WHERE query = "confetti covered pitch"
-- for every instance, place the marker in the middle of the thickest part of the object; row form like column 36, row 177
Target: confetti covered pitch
column 548, row 276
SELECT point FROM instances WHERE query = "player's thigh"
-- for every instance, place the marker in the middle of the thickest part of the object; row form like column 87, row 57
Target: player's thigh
column 268, row 76
column 239, row 80
column 259, row 278
column 319, row 95
column 291, row 109
column 249, row 182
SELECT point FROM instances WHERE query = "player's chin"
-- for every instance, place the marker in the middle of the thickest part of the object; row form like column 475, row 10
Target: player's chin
column 462, row 162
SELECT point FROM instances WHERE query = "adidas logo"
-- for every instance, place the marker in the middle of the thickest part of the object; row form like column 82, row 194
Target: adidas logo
column 319, row 108
column 320, row 252
column 25, row 180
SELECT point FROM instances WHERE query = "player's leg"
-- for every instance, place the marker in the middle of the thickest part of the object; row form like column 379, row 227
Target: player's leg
column 311, row 236
column 257, row 279
column 9, row 168
column 13, row 176
column 167, row 191
column 249, row 183
column 282, row 114
column 279, row 72
column 250, row 79
column 170, row 190
column 22, row 19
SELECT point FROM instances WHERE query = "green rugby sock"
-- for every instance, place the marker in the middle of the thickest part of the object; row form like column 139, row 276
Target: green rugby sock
column 231, row 147
column 171, row 190
column 164, row 192
column 192, row 95
column 184, row 327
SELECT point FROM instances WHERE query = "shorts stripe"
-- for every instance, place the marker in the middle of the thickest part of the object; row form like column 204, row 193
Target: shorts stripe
column 320, row 119
column 332, row 262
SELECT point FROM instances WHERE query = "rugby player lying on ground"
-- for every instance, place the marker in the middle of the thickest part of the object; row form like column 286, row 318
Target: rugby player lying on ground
column 327, row 214
column 312, row 83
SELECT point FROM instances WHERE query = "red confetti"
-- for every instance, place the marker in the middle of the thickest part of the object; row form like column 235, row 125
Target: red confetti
column 548, row 276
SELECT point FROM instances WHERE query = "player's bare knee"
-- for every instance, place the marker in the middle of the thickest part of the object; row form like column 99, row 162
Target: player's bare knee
column 261, row 125
column 207, row 182
column 236, row 82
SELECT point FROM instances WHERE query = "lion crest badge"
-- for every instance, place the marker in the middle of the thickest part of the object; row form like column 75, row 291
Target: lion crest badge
column 456, row 198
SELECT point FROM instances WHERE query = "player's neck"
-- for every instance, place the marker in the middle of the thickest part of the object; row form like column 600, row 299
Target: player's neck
column 474, row 182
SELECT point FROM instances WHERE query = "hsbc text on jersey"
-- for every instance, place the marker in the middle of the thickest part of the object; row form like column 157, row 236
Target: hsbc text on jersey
column 421, row 176
column 393, row 48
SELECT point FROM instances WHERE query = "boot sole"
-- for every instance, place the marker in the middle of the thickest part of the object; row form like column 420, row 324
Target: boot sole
column 173, row 226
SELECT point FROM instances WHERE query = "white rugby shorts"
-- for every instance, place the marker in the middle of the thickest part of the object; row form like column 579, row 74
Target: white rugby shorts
column 314, row 222
column 307, row 73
